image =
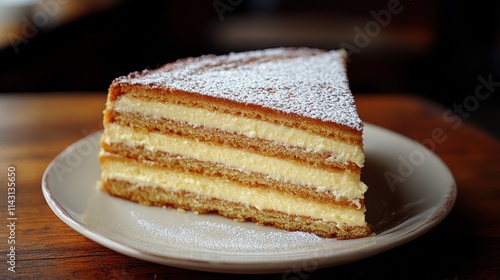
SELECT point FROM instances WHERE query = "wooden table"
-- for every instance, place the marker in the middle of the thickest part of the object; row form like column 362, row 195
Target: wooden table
column 35, row 128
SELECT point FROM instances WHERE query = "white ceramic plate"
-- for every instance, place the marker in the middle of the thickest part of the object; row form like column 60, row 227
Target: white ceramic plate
column 410, row 191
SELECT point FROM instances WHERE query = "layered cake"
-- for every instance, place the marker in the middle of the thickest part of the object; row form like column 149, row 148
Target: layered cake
column 269, row 136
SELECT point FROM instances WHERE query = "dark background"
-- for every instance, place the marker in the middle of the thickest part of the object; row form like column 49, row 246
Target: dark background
column 436, row 49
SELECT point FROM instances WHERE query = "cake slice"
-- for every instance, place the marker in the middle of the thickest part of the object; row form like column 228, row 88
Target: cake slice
column 269, row 136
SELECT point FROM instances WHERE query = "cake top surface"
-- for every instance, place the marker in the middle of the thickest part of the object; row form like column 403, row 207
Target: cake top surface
column 307, row 82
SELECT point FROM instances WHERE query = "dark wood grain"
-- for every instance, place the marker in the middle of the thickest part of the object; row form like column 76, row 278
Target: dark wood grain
column 466, row 245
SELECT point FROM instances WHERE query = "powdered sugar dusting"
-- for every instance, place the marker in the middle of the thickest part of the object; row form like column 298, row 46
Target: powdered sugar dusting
column 307, row 82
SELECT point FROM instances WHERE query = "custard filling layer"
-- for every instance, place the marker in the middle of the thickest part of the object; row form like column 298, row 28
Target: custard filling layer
column 145, row 175
column 250, row 127
column 341, row 184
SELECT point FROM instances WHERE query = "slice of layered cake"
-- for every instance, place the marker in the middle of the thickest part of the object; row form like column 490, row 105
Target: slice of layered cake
column 269, row 136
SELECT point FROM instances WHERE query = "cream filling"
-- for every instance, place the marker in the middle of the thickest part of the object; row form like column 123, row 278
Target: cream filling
column 341, row 184
column 213, row 187
column 250, row 127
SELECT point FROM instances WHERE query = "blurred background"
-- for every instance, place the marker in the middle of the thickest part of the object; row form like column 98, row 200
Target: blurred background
column 443, row 50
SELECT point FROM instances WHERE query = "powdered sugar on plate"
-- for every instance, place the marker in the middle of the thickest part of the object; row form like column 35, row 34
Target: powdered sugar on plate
column 230, row 236
column 306, row 82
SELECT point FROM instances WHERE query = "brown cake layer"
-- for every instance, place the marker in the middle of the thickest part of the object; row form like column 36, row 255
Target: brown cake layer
column 229, row 139
column 154, row 196
column 168, row 161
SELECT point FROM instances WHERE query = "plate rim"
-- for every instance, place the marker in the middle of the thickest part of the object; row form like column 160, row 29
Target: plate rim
column 249, row 267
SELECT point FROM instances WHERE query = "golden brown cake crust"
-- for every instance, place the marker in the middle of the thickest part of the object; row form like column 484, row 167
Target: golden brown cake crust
column 297, row 87
column 191, row 99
